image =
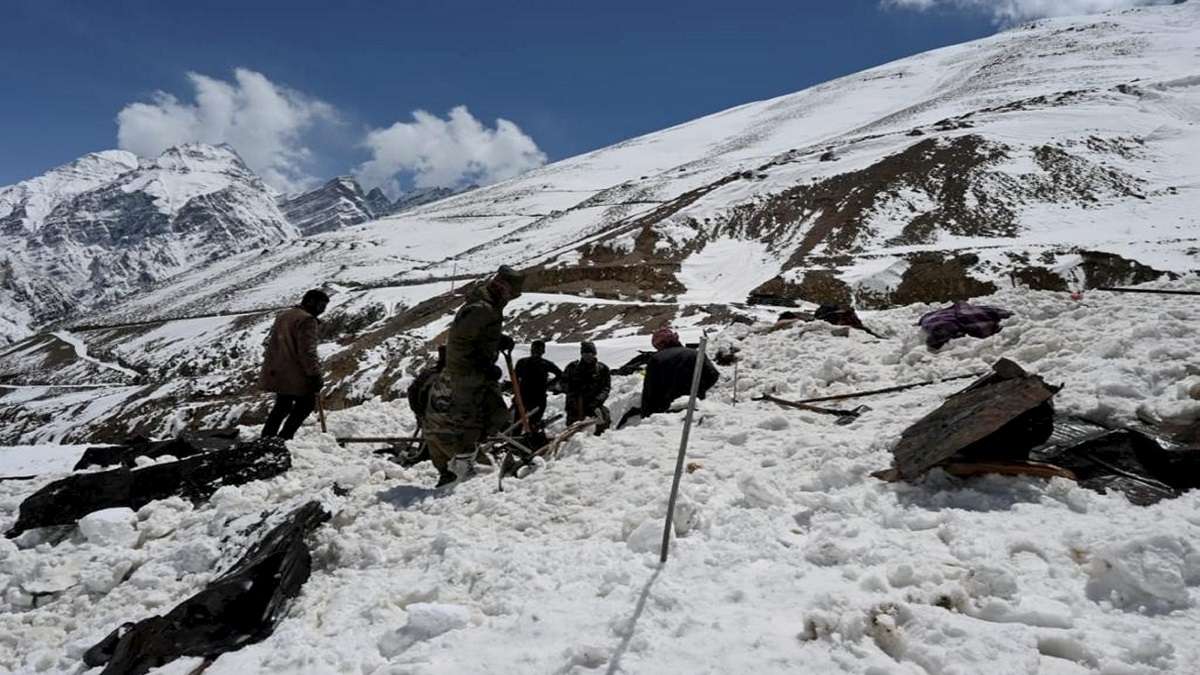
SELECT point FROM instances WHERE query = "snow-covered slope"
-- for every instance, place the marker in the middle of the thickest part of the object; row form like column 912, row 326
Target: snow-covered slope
column 104, row 226
column 1012, row 152
column 1058, row 155
column 789, row 557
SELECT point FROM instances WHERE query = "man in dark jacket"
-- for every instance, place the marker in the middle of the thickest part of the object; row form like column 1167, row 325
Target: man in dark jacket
column 533, row 379
column 291, row 368
column 586, row 383
column 669, row 373
column 465, row 405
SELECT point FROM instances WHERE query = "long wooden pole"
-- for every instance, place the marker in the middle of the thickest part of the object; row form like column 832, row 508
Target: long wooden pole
column 321, row 412
column 1112, row 289
column 683, row 442
column 888, row 390
column 512, row 375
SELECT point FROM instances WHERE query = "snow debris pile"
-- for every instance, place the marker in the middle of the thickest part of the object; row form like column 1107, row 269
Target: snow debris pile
column 787, row 556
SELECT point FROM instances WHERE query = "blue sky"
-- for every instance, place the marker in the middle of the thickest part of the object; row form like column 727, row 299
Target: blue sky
column 571, row 76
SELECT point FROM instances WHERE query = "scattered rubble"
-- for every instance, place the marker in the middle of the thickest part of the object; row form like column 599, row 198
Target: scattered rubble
column 1004, row 424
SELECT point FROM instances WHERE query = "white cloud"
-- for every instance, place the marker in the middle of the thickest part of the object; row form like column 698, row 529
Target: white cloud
column 1012, row 11
column 445, row 152
column 263, row 121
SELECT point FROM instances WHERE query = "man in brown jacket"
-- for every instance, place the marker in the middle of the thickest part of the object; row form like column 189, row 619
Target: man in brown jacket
column 290, row 366
column 465, row 405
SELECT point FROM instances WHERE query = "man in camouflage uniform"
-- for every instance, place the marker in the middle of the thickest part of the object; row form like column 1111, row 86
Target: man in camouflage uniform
column 465, row 405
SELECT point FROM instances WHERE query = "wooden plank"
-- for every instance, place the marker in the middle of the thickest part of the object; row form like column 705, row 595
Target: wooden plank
column 1153, row 291
column 889, row 390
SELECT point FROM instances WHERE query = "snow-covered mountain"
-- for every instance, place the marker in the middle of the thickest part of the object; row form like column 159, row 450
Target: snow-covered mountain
column 422, row 196
column 382, row 206
column 341, row 202
column 336, row 204
column 104, row 226
column 379, row 202
column 1058, row 155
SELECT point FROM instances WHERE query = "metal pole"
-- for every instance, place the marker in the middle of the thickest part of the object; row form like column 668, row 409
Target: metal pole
column 687, row 428
column 1153, row 291
column 735, row 379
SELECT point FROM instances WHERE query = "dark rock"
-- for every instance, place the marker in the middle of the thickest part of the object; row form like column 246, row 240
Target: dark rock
column 239, row 608
column 841, row 315
column 1000, row 416
column 195, row 478
column 1109, row 269
column 186, row 444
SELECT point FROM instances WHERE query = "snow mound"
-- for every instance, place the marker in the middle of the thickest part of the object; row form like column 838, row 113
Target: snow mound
column 110, row 527
column 425, row 621
column 1149, row 574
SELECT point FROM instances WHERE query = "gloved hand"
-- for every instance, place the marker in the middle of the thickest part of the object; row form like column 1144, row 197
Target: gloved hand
column 506, row 343
column 314, row 382
column 495, row 373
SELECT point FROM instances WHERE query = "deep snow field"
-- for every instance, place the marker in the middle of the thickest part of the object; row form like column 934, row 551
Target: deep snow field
column 789, row 557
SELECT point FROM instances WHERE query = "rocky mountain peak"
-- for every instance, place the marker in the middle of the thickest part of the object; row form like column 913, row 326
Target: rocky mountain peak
column 338, row 203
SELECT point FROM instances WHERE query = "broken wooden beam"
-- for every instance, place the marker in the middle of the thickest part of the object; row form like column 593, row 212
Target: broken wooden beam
column 344, row 440
column 969, row 469
column 1153, row 291
column 889, row 390
column 846, row 416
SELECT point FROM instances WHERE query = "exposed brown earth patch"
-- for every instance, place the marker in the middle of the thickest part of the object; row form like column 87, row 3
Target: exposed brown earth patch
column 932, row 277
column 1108, row 269
column 1038, row 279
column 646, row 281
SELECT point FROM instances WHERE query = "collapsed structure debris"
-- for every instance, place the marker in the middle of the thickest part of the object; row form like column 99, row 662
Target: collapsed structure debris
column 194, row 478
column 1145, row 468
column 240, row 607
column 997, row 418
column 187, row 444
column 1004, row 423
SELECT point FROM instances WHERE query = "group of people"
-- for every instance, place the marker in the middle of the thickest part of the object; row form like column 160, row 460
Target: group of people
column 458, row 401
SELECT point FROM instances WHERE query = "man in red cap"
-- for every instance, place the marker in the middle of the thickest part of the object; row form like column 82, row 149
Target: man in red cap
column 669, row 373
column 465, row 405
